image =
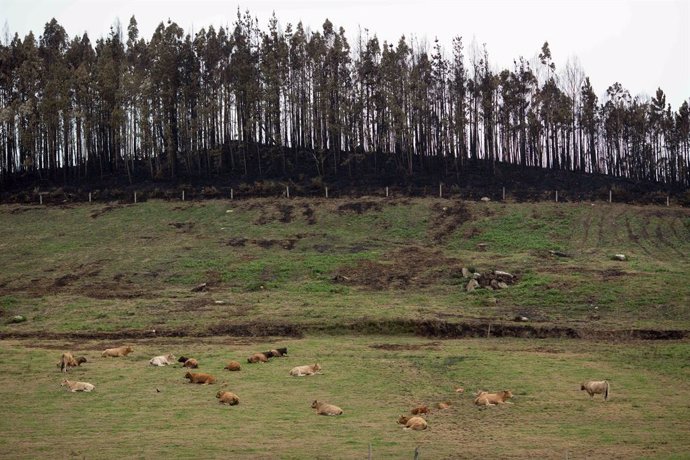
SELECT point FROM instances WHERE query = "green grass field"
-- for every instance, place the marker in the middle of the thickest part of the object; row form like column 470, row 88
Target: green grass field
column 106, row 272
column 373, row 378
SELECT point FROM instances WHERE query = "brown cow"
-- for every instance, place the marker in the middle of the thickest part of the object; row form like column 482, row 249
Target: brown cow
column 191, row 363
column 227, row 397
column 420, row 410
column 233, row 366
column 117, row 352
column 257, row 358
column 323, row 408
column 204, row 379
column 492, row 399
column 412, row 423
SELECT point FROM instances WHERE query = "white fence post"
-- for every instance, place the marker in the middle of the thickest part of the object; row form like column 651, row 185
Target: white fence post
column 182, row 195
column 232, row 193
column 386, row 192
column 556, row 196
column 287, row 191
column 135, row 197
column 326, row 192
column 440, row 190
column 610, row 195
column 40, row 198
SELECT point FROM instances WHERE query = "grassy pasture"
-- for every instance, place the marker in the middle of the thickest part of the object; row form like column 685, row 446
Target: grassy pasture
column 328, row 262
column 373, row 378
column 321, row 265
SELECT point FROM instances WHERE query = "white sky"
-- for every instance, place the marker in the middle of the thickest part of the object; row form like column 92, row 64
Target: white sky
column 642, row 44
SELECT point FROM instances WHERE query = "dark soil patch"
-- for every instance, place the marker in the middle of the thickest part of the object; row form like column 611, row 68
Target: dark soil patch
column 411, row 267
column 446, row 219
column 359, row 207
column 427, row 328
column 236, row 242
column 184, row 227
column 285, row 213
column 105, row 209
column 406, row 347
column 288, row 243
column 308, row 213
column 65, row 280
column 612, row 273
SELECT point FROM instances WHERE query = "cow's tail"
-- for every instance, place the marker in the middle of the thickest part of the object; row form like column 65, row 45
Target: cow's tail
column 606, row 391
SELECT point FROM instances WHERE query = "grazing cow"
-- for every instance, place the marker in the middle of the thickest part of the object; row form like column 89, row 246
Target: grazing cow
column 233, row 366
column 191, row 363
column 323, row 408
column 67, row 360
column 420, row 410
column 257, row 358
column 162, row 360
column 77, row 386
column 227, row 397
column 301, row 371
column 492, row 399
column 204, row 379
column 412, row 423
column 117, row 352
column 593, row 387
column 443, row 405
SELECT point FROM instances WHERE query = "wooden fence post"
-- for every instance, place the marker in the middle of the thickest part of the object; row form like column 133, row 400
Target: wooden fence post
column 287, row 191
column 386, row 192
column 504, row 193
column 89, row 197
column 40, row 198
column 182, row 195
column 610, row 195
column 440, row 190
column 135, row 197
column 326, row 192
column 556, row 196
column 232, row 194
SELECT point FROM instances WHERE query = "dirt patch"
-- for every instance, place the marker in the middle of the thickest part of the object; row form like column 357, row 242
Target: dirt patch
column 308, row 214
column 359, row 207
column 406, row 346
column 236, row 242
column 103, row 210
column 184, row 227
column 612, row 273
column 288, row 243
column 447, row 218
column 65, row 280
column 427, row 328
column 411, row 267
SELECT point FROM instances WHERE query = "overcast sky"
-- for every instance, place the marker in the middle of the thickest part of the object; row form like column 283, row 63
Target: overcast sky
column 641, row 44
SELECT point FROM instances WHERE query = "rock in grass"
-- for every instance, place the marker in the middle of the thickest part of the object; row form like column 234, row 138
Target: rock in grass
column 466, row 273
column 472, row 285
column 620, row 257
column 18, row 319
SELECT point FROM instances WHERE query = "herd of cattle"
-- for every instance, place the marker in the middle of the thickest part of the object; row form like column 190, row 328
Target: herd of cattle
column 416, row 422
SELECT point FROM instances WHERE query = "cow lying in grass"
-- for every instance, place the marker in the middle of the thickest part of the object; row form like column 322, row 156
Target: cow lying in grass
column 77, row 386
column 323, row 408
column 163, row 360
column 443, row 405
column 276, row 353
column 412, row 423
column 233, row 366
column 227, row 397
column 117, row 352
column 600, row 387
column 301, row 371
column 204, row 379
column 67, row 360
column 191, row 363
column 420, row 410
column 492, row 399
column 257, row 358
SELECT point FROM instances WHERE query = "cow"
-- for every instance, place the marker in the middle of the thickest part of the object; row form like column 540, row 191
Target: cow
column 420, row 410
column 323, row 408
column 257, row 358
column 301, row 371
column 233, row 366
column 162, row 360
column 227, row 397
column 491, row 399
column 77, row 386
column 593, row 387
column 67, row 360
column 117, row 352
column 191, row 363
column 204, row 379
column 412, row 423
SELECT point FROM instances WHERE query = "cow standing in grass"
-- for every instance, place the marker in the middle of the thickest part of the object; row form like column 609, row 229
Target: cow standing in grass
column 593, row 387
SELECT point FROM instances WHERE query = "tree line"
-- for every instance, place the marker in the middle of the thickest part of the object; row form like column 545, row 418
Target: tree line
column 258, row 103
